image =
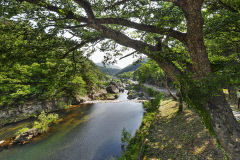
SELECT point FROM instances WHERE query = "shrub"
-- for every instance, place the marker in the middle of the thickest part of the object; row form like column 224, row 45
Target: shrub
column 126, row 137
column 19, row 132
column 44, row 121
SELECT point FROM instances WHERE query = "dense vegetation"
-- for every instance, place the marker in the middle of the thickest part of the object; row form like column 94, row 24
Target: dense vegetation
column 33, row 66
column 196, row 43
column 109, row 71
column 151, row 73
column 136, row 145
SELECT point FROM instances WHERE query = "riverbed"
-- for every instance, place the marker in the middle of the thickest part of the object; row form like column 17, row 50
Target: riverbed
column 87, row 132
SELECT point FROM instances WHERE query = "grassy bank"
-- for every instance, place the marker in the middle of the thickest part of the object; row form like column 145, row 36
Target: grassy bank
column 165, row 134
column 136, row 145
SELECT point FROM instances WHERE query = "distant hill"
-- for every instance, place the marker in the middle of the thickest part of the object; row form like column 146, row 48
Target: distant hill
column 109, row 69
column 108, row 66
column 132, row 67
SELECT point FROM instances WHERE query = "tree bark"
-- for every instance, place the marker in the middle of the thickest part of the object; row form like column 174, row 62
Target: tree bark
column 195, row 43
column 225, row 125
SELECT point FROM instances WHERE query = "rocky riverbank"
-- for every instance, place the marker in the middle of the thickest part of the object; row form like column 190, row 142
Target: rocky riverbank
column 29, row 134
column 12, row 114
column 23, row 138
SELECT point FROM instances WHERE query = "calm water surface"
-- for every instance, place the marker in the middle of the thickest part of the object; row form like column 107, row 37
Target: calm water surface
column 89, row 132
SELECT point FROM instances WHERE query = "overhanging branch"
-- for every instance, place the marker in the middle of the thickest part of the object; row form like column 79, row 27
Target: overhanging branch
column 128, row 55
column 148, row 28
column 81, row 45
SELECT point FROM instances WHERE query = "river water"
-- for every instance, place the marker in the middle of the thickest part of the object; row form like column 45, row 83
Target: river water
column 88, row 132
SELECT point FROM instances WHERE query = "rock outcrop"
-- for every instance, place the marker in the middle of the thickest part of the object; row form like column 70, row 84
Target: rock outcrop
column 112, row 88
column 29, row 109
column 132, row 94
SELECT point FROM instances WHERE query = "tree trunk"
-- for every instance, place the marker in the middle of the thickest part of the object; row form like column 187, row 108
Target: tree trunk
column 225, row 125
column 168, row 89
column 180, row 105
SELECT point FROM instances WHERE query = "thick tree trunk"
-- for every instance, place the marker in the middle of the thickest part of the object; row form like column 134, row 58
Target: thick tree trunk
column 225, row 125
column 195, row 43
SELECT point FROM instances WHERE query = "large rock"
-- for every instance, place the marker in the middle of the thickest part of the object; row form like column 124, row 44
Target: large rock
column 26, row 136
column 112, row 88
column 132, row 94
column 121, row 89
column 79, row 99
column 99, row 95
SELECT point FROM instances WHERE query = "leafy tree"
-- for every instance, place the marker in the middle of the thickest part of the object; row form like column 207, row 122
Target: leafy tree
column 126, row 76
column 151, row 73
column 33, row 66
column 171, row 32
column 44, row 121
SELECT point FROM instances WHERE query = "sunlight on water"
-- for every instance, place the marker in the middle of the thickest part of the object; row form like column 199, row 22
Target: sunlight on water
column 87, row 132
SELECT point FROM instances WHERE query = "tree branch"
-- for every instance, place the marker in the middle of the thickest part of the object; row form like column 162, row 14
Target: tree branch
column 87, row 7
column 148, row 28
column 128, row 55
column 141, row 47
column 81, row 45
column 69, row 14
column 116, row 4
column 228, row 7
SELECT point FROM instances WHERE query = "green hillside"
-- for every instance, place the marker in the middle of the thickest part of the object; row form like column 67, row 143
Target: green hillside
column 132, row 67
column 109, row 71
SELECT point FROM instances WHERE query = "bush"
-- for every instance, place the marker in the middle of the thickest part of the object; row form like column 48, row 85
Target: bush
column 126, row 137
column 19, row 132
column 44, row 121
column 137, row 142
column 152, row 106
column 150, row 91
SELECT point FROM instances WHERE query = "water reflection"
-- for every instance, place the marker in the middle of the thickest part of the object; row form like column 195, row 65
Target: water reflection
column 89, row 132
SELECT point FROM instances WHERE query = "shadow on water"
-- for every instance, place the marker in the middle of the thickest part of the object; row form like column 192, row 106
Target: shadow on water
column 88, row 132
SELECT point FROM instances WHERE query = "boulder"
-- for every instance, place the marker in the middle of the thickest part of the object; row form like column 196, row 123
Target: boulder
column 26, row 136
column 121, row 89
column 99, row 95
column 116, row 96
column 79, row 99
column 112, row 89
column 132, row 94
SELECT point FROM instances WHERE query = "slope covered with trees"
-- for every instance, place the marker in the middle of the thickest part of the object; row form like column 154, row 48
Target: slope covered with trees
column 109, row 71
column 195, row 42
column 33, row 66
column 131, row 67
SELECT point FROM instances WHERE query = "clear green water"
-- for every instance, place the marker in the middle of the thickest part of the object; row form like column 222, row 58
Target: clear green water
column 88, row 132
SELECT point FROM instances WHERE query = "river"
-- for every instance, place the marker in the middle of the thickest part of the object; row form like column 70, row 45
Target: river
column 87, row 132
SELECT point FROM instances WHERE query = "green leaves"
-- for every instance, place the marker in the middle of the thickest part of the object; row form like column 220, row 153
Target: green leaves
column 44, row 121
column 31, row 67
column 150, row 72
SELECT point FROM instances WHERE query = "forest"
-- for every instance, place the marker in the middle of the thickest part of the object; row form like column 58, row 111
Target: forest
column 193, row 46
